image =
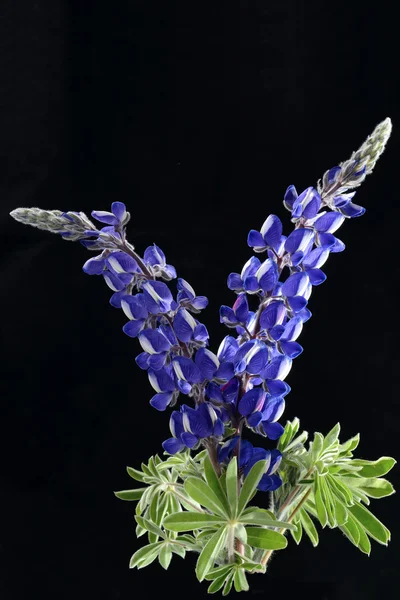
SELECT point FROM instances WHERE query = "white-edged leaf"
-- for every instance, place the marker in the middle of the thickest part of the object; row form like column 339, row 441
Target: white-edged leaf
column 265, row 538
column 143, row 554
column 231, row 483
column 187, row 521
column 201, row 492
column 250, row 484
column 210, row 553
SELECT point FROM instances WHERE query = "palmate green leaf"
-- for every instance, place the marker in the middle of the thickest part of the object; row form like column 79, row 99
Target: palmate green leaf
column 250, row 484
column 210, row 552
column 241, row 533
column 201, row 492
column 187, row 521
column 375, row 468
column 231, row 482
column 259, row 517
column 328, row 501
column 370, row 523
column 309, row 527
column 374, row 487
column 215, row 483
column 341, row 513
column 145, row 555
column 130, row 494
column 265, row 538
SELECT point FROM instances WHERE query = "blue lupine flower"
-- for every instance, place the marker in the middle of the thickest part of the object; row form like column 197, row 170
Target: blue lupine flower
column 158, row 297
column 344, row 205
column 207, row 362
column 187, row 297
column 299, row 243
column 247, row 280
column 156, row 346
column 117, row 215
column 269, row 236
column 154, row 258
column 162, row 381
column 272, row 319
column 267, row 275
column 190, row 425
column 239, row 313
column 307, row 204
column 251, row 358
column 287, row 341
column 248, row 456
column 187, row 373
column 189, row 329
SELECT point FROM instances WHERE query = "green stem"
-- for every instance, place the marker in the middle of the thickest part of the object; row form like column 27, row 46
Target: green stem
column 268, row 554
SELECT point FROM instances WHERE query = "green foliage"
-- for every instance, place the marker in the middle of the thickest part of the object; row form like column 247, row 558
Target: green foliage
column 184, row 505
column 332, row 487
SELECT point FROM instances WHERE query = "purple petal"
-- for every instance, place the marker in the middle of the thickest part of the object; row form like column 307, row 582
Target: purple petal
column 153, row 341
column 172, row 445
column 296, row 258
column 142, row 360
column 94, row 266
column 254, row 419
column 316, row 258
column 267, row 275
column 153, row 255
column 228, row 348
column 235, row 282
column 293, row 329
column 200, row 333
column 157, row 361
column 207, row 362
column 120, row 262
column 227, row 316
column 158, row 296
column 273, row 430
column 273, row 409
column 277, row 387
column 200, row 302
column 119, row 210
column 104, row 217
column 189, row 439
column 161, row 381
column 352, row 210
column 255, row 239
column 230, row 390
column 329, row 222
column 161, row 401
column 297, row 303
column 133, row 327
column 251, row 284
column 278, row 368
column 333, row 174
column 291, row 349
column 186, row 370
column 116, row 298
column 271, row 231
column 225, row 450
column 213, row 392
column 250, row 268
column 241, row 308
column 298, row 240
column 113, row 281
column 252, row 401
column 295, row 285
column 304, row 314
column 316, row 276
column 134, row 307
column 269, row 483
column 273, row 314
column 290, row 197
column 184, row 325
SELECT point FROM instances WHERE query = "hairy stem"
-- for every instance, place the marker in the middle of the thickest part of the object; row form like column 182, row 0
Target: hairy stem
column 269, row 553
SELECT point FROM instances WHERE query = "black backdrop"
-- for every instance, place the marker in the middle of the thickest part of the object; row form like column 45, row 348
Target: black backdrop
column 197, row 117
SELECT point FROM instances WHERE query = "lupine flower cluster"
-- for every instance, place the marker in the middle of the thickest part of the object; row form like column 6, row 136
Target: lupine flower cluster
column 243, row 383
column 216, row 396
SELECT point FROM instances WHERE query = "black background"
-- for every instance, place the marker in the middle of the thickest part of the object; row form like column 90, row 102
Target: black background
column 198, row 117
